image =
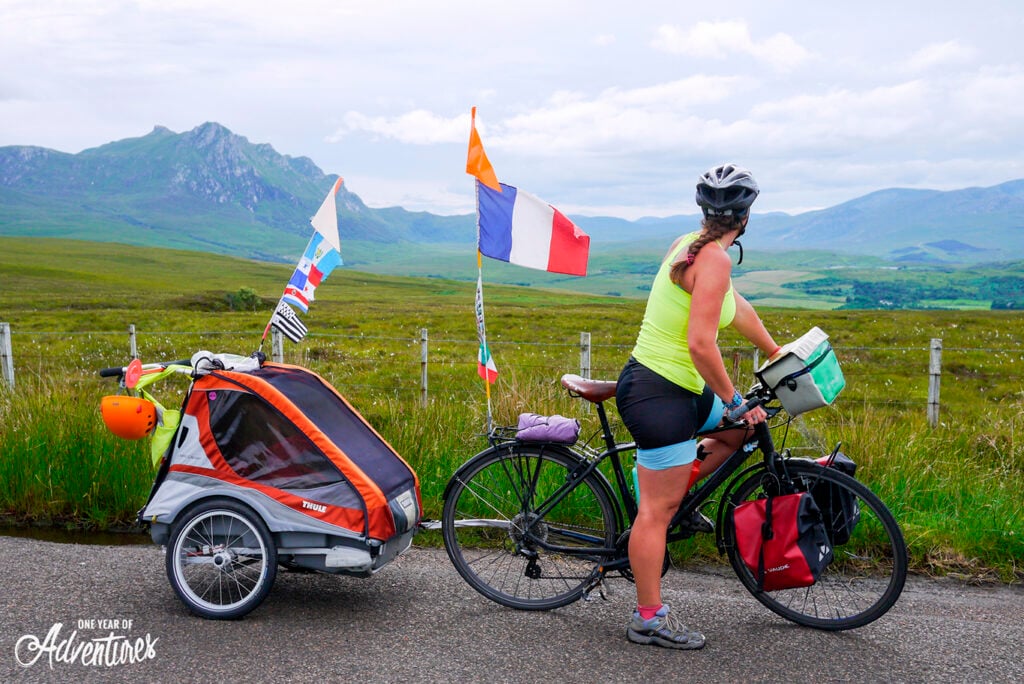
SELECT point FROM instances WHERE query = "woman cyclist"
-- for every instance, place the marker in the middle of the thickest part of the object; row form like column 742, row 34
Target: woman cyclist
column 675, row 383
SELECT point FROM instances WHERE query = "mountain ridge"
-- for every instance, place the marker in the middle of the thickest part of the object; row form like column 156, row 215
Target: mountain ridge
column 213, row 190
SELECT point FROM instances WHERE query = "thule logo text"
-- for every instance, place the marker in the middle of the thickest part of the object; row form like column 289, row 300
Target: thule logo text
column 319, row 508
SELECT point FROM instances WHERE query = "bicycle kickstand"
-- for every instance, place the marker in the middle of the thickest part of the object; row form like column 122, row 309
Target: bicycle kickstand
column 596, row 581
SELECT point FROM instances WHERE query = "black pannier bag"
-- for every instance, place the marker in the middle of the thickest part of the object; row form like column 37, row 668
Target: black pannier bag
column 840, row 509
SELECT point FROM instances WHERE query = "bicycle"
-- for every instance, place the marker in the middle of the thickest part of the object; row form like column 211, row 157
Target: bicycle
column 537, row 526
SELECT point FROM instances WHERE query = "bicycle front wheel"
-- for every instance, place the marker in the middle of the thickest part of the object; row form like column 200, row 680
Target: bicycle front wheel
column 523, row 529
column 869, row 568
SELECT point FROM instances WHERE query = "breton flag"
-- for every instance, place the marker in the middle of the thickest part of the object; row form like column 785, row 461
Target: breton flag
column 287, row 321
column 486, row 367
column 515, row 226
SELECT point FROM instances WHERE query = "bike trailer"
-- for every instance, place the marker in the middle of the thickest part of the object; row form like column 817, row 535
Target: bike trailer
column 281, row 440
column 805, row 374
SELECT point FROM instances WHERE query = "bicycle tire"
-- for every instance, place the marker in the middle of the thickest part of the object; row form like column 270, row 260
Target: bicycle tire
column 869, row 569
column 486, row 535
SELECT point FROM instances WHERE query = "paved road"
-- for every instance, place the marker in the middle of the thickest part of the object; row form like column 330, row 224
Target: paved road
column 416, row 621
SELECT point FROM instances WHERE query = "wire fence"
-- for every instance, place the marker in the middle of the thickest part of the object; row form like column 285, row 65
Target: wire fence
column 419, row 368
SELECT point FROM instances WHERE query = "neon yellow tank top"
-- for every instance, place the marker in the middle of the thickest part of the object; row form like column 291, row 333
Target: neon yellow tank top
column 661, row 344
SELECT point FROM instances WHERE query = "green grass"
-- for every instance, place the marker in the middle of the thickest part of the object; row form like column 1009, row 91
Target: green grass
column 955, row 488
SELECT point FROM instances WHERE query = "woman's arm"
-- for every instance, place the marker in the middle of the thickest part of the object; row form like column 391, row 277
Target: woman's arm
column 711, row 270
column 748, row 323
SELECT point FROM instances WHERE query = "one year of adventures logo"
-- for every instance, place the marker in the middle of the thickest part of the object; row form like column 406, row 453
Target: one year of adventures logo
column 115, row 647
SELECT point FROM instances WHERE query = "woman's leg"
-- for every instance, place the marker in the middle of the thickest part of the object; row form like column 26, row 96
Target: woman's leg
column 718, row 448
column 661, row 493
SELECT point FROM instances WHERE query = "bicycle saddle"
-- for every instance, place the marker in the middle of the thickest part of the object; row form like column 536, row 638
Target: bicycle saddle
column 591, row 390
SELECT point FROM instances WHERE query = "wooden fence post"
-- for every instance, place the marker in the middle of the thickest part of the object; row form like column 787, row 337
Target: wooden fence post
column 585, row 354
column 934, row 371
column 6, row 358
column 133, row 346
column 276, row 345
column 423, row 367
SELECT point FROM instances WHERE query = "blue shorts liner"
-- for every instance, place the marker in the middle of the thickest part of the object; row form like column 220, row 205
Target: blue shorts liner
column 667, row 456
column 717, row 411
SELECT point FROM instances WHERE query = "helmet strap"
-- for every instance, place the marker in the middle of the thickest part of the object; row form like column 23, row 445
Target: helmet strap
column 740, row 245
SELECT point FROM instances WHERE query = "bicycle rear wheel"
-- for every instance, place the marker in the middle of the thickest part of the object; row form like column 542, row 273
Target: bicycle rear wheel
column 870, row 556
column 511, row 537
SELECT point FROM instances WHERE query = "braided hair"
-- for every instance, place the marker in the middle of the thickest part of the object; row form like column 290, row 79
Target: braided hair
column 713, row 228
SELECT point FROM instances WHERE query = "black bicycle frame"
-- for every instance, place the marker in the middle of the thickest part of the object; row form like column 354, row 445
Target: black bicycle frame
column 760, row 440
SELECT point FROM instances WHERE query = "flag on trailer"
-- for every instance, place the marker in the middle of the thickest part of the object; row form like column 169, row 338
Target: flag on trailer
column 485, row 362
column 322, row 255
column 516, row 227
column 287, row 321
column 317, row 262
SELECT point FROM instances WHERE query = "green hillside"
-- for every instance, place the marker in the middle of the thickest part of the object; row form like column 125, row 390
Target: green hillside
column 797, row 279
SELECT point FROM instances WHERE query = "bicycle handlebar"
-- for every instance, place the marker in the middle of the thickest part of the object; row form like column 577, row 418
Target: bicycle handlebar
column 738, row 412
column 118, row 371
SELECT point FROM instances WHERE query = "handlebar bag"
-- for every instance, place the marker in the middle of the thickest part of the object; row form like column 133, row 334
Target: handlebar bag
column 782, row 540
column 805, row 374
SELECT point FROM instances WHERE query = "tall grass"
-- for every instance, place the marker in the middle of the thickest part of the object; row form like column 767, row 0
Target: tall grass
column 59, row 464
column 955, row 488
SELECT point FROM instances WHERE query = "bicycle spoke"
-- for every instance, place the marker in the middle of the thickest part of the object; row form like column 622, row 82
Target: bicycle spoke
column 869, row 563
column 529, row 560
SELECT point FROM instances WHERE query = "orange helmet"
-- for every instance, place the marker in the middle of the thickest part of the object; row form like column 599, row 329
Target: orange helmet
column 128, row 417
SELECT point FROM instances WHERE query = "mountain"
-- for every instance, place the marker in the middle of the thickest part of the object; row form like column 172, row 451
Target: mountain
column 212, row 190
column 971, row 224
column 207, row 189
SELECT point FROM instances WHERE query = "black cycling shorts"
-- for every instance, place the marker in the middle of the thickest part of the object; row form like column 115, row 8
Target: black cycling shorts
column 656, row 411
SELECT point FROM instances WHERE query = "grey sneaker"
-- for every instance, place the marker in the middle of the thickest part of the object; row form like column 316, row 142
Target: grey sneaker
column 663, row 630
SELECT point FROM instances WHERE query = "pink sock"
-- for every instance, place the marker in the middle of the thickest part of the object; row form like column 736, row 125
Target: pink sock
column 647, row 612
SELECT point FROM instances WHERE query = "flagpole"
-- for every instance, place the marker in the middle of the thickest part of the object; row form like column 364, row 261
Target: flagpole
column 483, row 334
column 266, row 330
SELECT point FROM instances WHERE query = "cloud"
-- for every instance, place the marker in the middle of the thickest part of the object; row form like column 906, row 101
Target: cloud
column 940, row 55
column 622, row 119
column 721, row 40
column 418, row 127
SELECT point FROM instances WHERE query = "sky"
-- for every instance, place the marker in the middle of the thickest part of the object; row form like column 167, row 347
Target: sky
column 602, row 108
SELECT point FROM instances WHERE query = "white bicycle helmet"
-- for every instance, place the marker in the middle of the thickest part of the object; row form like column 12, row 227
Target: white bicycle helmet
column 726, row 190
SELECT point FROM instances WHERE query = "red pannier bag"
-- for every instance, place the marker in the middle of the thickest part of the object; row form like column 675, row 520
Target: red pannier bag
column 783, row 540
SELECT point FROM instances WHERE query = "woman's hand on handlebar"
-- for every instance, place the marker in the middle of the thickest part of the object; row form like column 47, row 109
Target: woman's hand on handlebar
column 749, row 411
column 755, row 415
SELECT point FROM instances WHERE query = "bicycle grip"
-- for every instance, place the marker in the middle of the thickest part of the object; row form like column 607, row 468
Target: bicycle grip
column 111, row 372
column 738, row 412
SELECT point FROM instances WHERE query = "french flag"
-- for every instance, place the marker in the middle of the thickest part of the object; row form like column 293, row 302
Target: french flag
column 516, row 227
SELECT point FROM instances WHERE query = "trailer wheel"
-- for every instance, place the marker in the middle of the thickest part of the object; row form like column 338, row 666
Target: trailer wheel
column 221, row 560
